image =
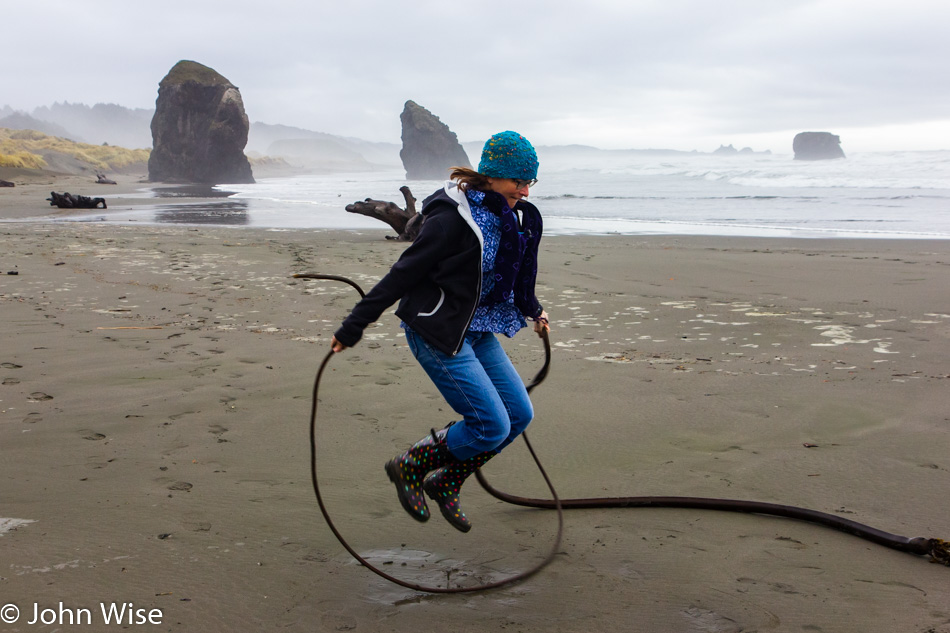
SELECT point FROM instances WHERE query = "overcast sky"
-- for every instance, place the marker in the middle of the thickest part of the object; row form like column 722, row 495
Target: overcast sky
column 680, row 74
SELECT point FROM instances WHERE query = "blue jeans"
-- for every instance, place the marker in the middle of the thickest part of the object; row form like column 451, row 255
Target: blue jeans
column 482, row 386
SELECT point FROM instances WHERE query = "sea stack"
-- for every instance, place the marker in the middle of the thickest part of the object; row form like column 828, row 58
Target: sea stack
column 817, row 146
column 429, row 147
column 199, row 129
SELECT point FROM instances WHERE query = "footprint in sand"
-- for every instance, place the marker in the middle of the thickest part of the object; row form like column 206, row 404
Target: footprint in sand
column 218, row 430
column 39, row 395
column 180, row 485
column 32, row 418
column 11, row 381
column 710, row 621
column 199, row 526
column 11, row 366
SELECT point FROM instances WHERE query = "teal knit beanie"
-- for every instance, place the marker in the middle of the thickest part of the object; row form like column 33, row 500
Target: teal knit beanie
column 509, row 155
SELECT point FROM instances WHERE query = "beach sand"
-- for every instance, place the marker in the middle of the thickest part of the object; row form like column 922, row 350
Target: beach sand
column 154, row 429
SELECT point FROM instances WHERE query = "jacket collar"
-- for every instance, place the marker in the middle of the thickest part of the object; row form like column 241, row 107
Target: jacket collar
column 452, row 194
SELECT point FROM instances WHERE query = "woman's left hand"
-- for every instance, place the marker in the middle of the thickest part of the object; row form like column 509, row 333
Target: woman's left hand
column 541, row 323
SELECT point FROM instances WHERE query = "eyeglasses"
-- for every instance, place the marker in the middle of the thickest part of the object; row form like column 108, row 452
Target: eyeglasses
column 521, row 184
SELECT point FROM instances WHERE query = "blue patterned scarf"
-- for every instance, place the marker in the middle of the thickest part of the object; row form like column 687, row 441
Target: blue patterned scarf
column 516, row 264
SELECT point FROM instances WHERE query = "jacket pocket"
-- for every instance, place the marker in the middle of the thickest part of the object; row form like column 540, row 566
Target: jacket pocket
column 437, row 305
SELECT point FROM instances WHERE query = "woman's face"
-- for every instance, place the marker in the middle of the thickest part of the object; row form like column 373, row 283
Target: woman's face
column 510, row 189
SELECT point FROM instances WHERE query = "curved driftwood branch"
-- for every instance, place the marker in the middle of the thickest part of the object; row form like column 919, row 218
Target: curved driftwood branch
column 406, row 222
column 410, row 200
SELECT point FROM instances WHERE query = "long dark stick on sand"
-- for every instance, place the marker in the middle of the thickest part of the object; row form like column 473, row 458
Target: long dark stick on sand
column 937, row 549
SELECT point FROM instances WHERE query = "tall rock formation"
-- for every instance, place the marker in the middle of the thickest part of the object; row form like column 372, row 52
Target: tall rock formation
column 817, row 146
column 199, row 129
column 429, row 147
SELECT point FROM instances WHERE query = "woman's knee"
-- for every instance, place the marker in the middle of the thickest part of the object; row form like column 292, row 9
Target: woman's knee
column 494, row 434
column 521, row 414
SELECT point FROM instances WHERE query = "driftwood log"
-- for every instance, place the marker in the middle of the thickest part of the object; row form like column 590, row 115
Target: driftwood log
column 102, row 180
column 406, row 222
column 6, row 183
column 69, row 201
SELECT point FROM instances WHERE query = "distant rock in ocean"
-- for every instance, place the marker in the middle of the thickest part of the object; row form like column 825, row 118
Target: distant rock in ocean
column 817, row 146
column 726, row 150
column 199, row 129
column 429, row 147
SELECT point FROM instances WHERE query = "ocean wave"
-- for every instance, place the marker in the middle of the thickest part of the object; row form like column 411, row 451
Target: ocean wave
column 689, row 195
column 622, row 226
column 875, row 170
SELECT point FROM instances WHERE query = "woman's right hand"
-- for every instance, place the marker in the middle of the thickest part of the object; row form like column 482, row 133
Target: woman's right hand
column 337, row 346
column 541, row 324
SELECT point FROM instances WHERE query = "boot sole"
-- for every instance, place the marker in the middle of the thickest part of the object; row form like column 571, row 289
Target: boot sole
column 393, row 473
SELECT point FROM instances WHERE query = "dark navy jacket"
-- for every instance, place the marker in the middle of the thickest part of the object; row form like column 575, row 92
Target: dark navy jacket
column 437, row 280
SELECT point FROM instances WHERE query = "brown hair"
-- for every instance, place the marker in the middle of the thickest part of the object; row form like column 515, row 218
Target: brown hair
column 470, row 179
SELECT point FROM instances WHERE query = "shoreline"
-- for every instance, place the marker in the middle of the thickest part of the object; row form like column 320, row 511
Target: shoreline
column 187, row 205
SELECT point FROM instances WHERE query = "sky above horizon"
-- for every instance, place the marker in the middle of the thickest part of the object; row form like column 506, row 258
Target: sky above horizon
column 615, row 74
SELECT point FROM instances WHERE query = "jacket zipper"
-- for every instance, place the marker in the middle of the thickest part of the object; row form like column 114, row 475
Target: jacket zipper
column 478, row 294
column 481, row 255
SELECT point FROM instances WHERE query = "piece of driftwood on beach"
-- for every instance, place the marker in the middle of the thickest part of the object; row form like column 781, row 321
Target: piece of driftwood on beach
column 102, row 180
column 406, row 222
column 69, row 201
column 6, row 183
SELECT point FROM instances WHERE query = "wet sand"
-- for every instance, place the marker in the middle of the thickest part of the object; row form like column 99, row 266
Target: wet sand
column 155, row 391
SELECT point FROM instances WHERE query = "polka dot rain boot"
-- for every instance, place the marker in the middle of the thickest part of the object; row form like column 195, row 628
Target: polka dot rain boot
column 409, row 469
column 443, row 487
